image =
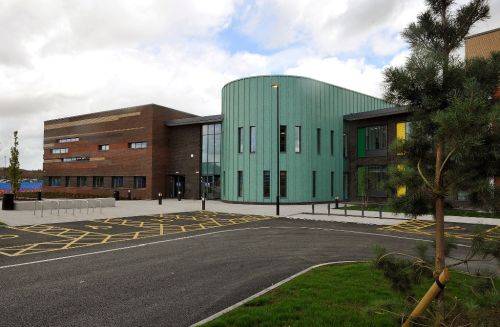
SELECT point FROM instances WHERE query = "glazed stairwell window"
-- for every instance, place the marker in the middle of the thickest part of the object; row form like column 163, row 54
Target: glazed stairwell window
column 253, row 139
column 283, row 138
column 240, row 139
column 298, row 139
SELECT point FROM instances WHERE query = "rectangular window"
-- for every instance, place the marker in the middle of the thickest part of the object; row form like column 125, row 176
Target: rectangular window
column 138, row 145
column 344, row 144
column 253, row 139
column 81, row 181
column 66, row 181
column 139, row 181
column 318, row 140
column 54, row 181
column 104, row 147
column 298, row 139
column 267, row 183
column 69, row 140
column 376, row 138
column 332, row 180
column 282, row 138
column 97, row 181
column 372, row 180
column 117, row 181
column 240, row 183
column 345, row 186
column 59, row 150
column 403, row 130
column 283, row 183
column 314, row 184
column 331, row 143
column 240, row 139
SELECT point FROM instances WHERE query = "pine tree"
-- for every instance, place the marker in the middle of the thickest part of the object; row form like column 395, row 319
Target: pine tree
column 453, row 114
column 14, row 171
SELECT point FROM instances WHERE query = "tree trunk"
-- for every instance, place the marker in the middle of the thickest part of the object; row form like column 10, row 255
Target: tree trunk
column 439, row 262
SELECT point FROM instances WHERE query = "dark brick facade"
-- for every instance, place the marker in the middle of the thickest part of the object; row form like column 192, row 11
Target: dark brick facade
column 118, row 128
column 384, row 159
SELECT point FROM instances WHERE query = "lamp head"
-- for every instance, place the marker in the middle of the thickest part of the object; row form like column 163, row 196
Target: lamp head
column 275, row 85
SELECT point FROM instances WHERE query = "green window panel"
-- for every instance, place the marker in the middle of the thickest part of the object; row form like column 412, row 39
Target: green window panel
column 361, row 142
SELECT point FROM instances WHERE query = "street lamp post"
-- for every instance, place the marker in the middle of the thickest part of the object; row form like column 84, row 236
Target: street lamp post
column 276, row 86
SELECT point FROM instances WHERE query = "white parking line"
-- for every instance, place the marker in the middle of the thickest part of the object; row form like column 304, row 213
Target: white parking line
column 218, row 232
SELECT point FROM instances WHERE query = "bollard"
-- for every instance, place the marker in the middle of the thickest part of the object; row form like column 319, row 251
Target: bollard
column 58, row 207
column 345, row 209
column 328, row 208
column 363, row 211
column 160, row 198
column 203, row 203
column 313, row 208
column 336, row 202
column 380, row 211
column 41, row 215
column 129, row 195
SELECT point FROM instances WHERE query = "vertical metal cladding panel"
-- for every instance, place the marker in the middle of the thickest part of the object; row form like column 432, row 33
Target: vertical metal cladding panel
column 304, row 102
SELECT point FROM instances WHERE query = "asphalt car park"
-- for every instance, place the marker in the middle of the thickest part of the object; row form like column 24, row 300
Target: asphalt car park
column 169, row 270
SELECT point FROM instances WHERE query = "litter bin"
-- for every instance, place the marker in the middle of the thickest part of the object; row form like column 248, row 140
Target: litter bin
column 39, row 196
column 116, row 195
column 8, row 201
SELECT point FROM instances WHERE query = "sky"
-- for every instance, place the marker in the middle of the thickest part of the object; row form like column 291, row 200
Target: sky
column 64, row 57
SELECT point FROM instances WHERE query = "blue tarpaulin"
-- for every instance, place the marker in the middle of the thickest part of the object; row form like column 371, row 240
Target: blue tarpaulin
column 26, row 186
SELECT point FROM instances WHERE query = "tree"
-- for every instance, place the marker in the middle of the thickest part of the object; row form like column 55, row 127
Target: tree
column 451, row 144
column 14, row 172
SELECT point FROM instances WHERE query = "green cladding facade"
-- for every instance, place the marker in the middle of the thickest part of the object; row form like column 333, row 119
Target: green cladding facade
column 314, row 172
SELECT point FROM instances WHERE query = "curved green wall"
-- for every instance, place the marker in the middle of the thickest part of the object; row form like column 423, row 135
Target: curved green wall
column 304, row 102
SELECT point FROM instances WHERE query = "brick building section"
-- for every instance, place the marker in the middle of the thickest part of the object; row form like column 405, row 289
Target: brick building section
column 184, row 159
column 386, row 117
column 117, row 128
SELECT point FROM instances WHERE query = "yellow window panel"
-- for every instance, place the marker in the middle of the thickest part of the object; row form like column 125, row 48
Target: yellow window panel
column 400, row 167
column 401, row 191
column 401, row 131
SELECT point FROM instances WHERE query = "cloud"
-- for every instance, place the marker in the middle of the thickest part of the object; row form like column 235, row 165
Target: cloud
column 68, row 57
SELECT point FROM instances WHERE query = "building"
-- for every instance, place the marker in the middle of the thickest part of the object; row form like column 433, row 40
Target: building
column 150, row 149
column 310, row 138
column 124, row 149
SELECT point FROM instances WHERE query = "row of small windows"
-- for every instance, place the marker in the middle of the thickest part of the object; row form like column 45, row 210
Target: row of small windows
column 266, row 183
column 283, row 139
column 372, row 140
column 68, row 140
column 104, row 147
column 97, row 181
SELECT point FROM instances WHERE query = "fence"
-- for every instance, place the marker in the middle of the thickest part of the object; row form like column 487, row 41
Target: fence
column 66, row 206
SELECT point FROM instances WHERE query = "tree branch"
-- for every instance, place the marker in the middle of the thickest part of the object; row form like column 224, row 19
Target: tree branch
column 446, row 159
column 423, row 177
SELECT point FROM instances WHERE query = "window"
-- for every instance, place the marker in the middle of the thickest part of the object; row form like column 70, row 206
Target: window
column 282, row 138
column 283, row 183
column 210, row 159
column 318, row 140
column 54, row 181
column 331, row 143
column 376, row 138
column 69, row 140
column 240, row 139
column 344, row 143
column 345, row 186
column 298, row 139
column 59, row 150
column 253, row 139
column 71, row 159
column 81, row 181
column 66, row 181
column 267, row 183
column 314, row 184
column 116, row 181
column 139, row 181
column 104, row 147
column 403, row 130
column 332, row 180
column 97, row 181
column 240, row 183
column 138, row 145
column 371, row 180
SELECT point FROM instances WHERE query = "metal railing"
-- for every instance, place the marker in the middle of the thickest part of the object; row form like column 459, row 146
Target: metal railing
column 43, row 206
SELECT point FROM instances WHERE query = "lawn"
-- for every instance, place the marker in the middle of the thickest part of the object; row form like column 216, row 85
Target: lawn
column 341, row 295
column 447, row 212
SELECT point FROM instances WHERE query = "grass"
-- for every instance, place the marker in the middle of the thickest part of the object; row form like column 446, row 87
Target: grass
column 342, row 295
column 447, row 212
